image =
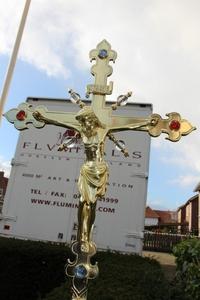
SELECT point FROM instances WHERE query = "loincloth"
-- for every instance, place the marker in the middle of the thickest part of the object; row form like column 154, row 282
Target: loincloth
column 92, row 181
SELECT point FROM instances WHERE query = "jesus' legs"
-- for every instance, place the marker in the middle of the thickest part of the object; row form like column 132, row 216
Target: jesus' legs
column 86, row 218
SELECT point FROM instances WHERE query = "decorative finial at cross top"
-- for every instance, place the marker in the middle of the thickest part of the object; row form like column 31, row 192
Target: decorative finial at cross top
column 101, row 70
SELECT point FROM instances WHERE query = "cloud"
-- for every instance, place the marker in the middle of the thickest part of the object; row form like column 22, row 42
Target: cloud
column 186, row 181
column 143, row 32
column 44, row 35
column 158, row 204
column 183, row 154
column 182, row 159
column 5, row 166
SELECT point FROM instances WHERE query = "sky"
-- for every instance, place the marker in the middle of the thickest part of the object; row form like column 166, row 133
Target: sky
column 158, row 46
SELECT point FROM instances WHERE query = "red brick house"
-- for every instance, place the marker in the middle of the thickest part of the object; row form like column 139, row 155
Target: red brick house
column 160, row 219
column 3, row 186
column 151, row 217
column 166, row 216
column 188, row 215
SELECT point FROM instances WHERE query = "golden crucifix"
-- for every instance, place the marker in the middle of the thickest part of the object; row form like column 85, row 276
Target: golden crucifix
column 94, row 123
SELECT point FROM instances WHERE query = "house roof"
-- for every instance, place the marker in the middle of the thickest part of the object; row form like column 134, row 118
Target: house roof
column 150, row 213
column 165, row 216
column 188, row 201
column 3, row 182
column 197, row 188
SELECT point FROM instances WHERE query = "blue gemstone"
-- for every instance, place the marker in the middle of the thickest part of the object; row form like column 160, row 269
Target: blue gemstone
column 103, row 53
column 80, row 271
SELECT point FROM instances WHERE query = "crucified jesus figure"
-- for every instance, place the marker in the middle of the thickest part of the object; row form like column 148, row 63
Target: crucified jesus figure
column 94, row 172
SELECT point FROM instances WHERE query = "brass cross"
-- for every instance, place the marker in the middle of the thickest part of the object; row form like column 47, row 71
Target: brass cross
column 94, row 123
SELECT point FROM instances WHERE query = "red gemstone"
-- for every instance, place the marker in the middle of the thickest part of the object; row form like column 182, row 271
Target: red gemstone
column 70, row 132
column 174, row 125
column 21, row 115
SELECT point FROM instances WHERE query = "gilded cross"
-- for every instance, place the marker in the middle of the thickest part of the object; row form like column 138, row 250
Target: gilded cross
column 95, row 123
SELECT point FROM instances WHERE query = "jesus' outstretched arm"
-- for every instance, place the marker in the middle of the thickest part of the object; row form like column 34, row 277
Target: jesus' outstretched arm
column 174, row 126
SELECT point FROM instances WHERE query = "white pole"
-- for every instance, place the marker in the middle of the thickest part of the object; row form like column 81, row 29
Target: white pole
column 13, row 58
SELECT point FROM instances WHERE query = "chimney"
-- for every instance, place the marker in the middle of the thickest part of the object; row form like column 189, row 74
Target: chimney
column 1, row 175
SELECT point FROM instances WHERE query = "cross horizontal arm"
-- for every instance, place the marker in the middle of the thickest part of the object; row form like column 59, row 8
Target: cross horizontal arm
column 119, row 123
column 174, row 125
column 39, row 116
column 58, row 118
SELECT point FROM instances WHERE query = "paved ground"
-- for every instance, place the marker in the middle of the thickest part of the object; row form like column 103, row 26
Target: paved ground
column 166, row 260
column 163, row 258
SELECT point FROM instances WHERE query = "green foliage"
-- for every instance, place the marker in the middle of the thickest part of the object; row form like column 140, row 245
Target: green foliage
column 123, row 277
column 188, row 266
column 30, row 269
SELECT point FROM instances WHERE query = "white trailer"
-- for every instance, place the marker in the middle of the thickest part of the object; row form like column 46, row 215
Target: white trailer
column 42, row 196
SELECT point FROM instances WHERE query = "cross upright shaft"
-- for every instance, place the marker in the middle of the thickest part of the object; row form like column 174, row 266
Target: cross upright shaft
column 101, row 71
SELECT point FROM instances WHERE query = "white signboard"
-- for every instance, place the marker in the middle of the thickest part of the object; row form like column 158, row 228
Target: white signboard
column 42, row 196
